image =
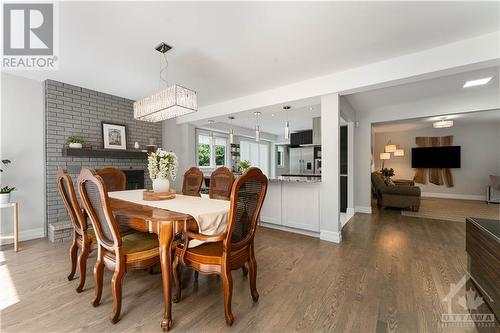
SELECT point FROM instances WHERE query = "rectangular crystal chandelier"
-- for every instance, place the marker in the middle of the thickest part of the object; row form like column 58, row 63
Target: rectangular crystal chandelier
column 172, row 102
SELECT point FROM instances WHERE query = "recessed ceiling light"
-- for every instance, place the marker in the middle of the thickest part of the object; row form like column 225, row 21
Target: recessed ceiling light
column 272, row 114
column 311, row 108
column 478, row 82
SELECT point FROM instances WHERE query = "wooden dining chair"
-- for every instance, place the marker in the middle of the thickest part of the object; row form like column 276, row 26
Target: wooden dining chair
column 114, row 250
column 83, row 237
column 193, row 179
column 114, row 178
column 232, row 249
column 221, row 182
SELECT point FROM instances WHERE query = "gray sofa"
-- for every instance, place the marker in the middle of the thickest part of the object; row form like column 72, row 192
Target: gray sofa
column 399, row 196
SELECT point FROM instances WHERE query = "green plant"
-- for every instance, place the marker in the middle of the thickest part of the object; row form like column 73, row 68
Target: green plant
column 243, row 165
column 74, row 139
column 387, row 173
column 5, row 162
column 6, row 189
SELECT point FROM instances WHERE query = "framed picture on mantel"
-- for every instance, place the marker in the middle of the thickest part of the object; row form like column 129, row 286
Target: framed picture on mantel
column 114, row 136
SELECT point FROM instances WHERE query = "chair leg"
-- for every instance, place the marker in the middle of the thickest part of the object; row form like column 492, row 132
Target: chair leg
column 116, row 288
column 176, row 272
column 98, row 275
column 73, row 252
column 82, row 265
column 252, row 266
column 244, row 269
column 196, row 274
column 227, row 280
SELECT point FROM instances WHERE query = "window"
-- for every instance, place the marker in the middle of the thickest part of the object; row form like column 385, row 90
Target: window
column 211, row 150
column 255, row 153
column 280, row 157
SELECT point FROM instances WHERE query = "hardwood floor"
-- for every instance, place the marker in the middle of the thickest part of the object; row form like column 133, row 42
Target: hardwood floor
column 390, row 274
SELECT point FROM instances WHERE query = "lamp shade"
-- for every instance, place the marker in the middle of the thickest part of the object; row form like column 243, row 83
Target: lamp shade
column 385, row 156
column 390, row 148
column 399, row 152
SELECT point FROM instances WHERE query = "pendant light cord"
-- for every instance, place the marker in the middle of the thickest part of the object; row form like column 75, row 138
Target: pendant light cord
column 163, row 71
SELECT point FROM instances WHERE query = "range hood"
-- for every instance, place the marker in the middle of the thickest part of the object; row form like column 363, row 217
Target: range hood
column 316, row 136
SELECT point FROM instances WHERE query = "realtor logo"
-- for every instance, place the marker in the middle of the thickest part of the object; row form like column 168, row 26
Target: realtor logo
column 29, row 36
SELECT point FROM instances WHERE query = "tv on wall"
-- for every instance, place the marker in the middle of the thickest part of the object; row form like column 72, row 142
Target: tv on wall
column 435, row 157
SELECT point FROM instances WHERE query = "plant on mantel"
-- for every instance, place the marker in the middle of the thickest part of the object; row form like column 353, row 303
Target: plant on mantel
column 75, row 141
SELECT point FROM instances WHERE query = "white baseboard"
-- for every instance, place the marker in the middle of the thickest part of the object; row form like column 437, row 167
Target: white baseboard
column 288, row 229
column 330, row 236
column 454, row 196
column 346, row 217
column 24, row 235
column 363, row 209
column 350, row 211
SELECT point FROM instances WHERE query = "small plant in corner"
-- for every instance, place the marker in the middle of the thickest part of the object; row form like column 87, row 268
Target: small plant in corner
column 5, row 194
column 75, row 141
column 244, row 165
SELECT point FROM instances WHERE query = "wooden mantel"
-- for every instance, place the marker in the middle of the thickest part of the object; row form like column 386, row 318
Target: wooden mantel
column 105, row 153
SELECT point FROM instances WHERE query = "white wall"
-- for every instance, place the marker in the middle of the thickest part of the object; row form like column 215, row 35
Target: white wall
column 478, row 161
column 22, row 141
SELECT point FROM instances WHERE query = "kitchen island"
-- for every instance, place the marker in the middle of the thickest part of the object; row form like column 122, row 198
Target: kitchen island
column 292, row 204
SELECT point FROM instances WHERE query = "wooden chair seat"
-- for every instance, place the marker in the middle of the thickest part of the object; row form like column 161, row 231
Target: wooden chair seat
column 207, row 253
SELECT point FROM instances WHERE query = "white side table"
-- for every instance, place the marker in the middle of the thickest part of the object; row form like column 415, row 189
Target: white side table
column 15, row 209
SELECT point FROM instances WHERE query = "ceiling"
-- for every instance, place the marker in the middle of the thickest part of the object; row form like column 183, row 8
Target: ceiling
column 481, row 117
column 225, row 50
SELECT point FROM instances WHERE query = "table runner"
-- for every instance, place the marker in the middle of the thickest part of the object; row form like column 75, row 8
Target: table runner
column 210, row 214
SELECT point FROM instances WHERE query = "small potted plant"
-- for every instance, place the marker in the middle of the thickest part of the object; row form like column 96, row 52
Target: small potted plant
column 244, row 165
column 5, row 194
column 161, row 166
column 75, row 142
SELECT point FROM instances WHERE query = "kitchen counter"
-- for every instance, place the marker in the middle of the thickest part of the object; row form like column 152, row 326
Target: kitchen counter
column 297, row 179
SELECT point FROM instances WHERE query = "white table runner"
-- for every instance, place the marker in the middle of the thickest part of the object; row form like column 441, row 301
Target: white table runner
column 210, row 214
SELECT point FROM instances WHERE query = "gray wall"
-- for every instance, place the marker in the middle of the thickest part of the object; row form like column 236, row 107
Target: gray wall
column 72, row 110
column 479, row 159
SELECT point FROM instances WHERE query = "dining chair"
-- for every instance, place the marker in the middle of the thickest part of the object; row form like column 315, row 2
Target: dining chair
column 115, row 251
column 114, row 178
column 221, row 182
column 193, row 179
column 83, row 237
column 231, row 250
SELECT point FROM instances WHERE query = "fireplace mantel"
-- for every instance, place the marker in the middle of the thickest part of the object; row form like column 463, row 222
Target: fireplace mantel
column 108, row 153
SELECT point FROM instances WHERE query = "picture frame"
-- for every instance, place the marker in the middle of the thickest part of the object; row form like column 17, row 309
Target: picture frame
column 114, row 136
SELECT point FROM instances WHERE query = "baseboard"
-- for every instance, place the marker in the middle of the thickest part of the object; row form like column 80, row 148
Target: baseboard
column 454, row 196
column 25, row 235
column 288, row 229
column 350, row 211
column 363, row 209
column 330, row 236
column 346, row 217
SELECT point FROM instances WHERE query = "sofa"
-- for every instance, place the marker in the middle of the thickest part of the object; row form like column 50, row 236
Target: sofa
column 398, row 196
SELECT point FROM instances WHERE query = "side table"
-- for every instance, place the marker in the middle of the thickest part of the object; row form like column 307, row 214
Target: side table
column 15, row 209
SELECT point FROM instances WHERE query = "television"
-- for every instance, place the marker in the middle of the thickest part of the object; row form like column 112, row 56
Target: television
column 435, row 157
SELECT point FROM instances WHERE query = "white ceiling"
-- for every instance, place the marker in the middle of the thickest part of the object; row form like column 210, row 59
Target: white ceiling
column 225, row 50
column 416, row 92
column 481, row 117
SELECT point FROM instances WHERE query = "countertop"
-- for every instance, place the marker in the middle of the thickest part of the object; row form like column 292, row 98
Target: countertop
column 297, row 179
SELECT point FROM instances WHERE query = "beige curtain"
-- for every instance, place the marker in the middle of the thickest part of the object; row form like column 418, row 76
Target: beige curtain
column 420, row 174
column 448, row 178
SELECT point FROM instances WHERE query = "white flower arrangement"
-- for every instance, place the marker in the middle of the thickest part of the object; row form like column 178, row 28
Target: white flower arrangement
column 162, row 164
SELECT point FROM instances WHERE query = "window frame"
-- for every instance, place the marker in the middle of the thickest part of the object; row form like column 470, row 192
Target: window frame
column 213, row 145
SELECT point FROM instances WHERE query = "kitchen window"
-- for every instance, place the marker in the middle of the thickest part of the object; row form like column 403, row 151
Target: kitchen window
column 211, row 150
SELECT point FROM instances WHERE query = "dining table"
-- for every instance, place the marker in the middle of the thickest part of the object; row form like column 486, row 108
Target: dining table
column 167, row 219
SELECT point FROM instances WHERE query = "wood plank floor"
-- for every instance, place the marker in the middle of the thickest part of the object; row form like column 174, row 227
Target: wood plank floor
column 390, row 274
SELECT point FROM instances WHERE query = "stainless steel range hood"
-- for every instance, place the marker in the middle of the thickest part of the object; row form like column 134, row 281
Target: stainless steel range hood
column 316, row 137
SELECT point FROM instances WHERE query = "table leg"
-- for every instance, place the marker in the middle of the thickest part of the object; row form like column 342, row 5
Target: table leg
column 16, row 227
column 165, row 243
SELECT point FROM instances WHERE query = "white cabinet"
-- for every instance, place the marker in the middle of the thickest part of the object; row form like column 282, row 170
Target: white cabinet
column 300, row 206
column 271, row 209
column 292, row 204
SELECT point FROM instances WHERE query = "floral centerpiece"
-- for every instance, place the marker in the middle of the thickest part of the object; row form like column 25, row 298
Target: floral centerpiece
column 162, row 165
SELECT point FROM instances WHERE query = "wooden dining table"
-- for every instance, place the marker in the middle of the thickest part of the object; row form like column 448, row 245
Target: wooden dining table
column 166, row 223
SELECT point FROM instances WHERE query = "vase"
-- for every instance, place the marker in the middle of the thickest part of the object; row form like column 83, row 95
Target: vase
column 4, row 198
column 161, row 185
column 75, row 145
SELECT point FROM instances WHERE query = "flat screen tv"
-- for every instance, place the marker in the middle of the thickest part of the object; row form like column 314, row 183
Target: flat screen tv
column 435, row 157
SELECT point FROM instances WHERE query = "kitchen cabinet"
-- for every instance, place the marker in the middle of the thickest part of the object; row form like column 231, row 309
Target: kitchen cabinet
column 301, row 138
column 271, row 209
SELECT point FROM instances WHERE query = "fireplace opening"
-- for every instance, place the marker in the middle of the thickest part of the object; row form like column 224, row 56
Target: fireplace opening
column 135, row 179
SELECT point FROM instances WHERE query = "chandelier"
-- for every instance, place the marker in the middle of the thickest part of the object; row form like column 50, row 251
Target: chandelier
column 174, row 101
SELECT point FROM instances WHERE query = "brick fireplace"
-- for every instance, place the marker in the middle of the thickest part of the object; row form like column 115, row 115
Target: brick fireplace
column 72, row 110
